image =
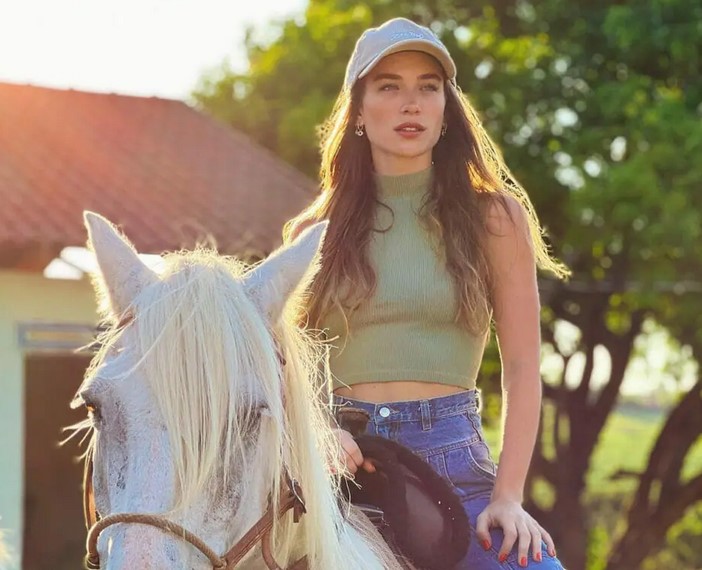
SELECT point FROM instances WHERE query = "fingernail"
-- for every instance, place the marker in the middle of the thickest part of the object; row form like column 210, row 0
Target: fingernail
column 538, row 557
column 552, row 552
column 523, row 561
column 486, row 545
column 503, row 557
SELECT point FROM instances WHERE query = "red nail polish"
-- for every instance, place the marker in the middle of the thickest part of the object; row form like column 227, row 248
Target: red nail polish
column 503, row 557
column 523, row 561
column 486, row 544
column 538, row 557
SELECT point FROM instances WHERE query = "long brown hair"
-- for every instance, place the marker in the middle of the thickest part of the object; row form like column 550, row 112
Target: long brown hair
column 469, row 175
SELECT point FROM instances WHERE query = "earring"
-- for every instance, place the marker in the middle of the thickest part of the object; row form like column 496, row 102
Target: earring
column 359, row 130
column 443, row 129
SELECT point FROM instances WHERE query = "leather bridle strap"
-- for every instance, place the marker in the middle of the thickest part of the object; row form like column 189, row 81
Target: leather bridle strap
column 93, row 558
column 89, row 509
column 262, row 529
column 266, row 551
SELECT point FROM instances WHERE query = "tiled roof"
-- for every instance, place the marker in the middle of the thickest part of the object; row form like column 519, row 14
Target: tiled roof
column 166, row 173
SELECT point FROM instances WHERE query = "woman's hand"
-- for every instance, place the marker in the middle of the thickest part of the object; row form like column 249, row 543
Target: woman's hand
column 518, row 526
column 353, row 458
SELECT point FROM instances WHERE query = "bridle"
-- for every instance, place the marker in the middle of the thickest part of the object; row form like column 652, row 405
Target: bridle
column 260, row 532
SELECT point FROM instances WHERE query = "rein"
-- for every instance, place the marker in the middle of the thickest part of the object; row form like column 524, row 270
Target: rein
column 259, row 532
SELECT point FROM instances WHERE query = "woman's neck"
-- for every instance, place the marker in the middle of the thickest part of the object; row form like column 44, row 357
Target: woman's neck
column 393, row 165
column 411, row 184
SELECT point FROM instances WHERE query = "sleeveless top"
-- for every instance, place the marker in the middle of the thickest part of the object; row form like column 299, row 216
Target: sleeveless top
column 407, row 330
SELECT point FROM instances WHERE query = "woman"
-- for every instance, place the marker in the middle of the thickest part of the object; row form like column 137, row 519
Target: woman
column 430, row 239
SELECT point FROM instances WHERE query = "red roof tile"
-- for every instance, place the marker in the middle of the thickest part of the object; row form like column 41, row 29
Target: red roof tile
column 168, row 174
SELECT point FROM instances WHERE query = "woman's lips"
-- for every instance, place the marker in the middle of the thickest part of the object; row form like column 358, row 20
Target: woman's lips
column 410, row 130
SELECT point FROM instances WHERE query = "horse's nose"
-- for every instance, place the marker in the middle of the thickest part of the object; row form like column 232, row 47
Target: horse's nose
column 134, row 546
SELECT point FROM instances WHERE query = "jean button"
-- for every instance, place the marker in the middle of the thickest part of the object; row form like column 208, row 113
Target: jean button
column 384, row 412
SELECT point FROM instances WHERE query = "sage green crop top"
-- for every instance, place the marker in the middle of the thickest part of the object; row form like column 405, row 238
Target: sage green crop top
column 407, row 330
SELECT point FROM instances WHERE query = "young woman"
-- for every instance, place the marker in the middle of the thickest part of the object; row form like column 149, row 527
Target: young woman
column 430, row 240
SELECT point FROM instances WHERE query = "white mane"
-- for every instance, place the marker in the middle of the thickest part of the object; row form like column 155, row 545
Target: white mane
column 212, row 363
column 5, row 558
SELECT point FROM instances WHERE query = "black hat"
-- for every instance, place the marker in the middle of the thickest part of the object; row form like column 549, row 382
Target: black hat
column 425, row 516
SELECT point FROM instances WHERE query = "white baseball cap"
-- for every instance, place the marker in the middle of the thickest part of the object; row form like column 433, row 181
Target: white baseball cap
column 398, row 34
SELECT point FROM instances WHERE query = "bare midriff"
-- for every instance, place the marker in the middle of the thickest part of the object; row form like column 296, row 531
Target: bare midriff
column 397, row 391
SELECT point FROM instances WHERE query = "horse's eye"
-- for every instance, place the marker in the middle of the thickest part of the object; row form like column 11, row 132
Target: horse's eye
column 256, row 412
column 263, row 410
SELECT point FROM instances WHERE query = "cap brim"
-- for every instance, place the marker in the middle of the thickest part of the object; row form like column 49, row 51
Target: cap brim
column 424, row 46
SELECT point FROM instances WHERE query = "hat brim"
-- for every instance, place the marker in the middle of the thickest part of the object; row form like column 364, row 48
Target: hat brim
column 424, row 46
column 425, row 516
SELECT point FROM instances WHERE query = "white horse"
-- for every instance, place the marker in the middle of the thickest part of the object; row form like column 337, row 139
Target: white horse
column 203, row 397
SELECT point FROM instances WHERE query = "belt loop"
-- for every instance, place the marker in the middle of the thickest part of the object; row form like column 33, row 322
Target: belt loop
column 426, row 414
column 478, row 401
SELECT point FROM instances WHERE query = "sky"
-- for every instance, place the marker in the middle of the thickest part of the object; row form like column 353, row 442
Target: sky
column 138, row 47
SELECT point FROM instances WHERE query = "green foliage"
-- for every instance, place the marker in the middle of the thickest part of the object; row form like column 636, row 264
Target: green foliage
column 599, row 543
column 291, row 84
column 684, row 543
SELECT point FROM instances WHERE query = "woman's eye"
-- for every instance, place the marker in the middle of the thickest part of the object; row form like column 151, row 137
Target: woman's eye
column 388, row 87
column 430, row 87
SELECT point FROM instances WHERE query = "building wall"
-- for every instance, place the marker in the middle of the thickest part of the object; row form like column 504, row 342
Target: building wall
column 27, row 298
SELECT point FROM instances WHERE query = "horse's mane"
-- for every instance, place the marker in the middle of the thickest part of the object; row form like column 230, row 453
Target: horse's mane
column 212, row 363
column 4, row 551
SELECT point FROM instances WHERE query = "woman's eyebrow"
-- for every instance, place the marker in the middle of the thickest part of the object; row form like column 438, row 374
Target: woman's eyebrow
column 395, row 77
column 382, row 76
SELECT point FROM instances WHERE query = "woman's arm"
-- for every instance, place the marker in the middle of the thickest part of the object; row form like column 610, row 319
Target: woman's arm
column 516, row 308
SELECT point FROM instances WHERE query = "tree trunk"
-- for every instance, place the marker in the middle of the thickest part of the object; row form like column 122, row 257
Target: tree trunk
column 585, row 418
column 662, row 498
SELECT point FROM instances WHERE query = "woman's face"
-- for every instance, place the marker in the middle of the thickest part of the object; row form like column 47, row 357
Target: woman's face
column 402, row 111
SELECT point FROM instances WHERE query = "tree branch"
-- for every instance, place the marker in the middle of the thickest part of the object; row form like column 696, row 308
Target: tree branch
column 652, row 513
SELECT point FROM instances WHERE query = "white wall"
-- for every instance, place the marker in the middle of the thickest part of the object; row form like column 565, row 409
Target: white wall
column 26, row 298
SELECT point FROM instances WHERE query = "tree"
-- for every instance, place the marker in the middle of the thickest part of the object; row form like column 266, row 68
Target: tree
column 596, row 107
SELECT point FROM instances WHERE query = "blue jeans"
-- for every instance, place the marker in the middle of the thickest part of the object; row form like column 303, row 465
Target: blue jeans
column 447, row 433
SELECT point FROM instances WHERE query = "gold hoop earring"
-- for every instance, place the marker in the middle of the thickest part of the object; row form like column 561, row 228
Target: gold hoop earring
column 359, row 130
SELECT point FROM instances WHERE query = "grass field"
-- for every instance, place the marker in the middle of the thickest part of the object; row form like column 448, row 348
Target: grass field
column 626, row 443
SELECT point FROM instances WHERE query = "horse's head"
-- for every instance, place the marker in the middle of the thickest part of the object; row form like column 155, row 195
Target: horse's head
column 185, row 396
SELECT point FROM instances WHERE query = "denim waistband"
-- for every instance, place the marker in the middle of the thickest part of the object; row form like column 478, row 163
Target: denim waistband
column 414, row 410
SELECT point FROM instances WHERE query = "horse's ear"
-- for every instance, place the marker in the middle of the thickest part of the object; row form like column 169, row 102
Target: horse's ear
column 122, row 275
column 287, row 270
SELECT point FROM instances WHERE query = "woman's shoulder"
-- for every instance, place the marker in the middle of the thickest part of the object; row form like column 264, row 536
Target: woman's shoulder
column 503, row 213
